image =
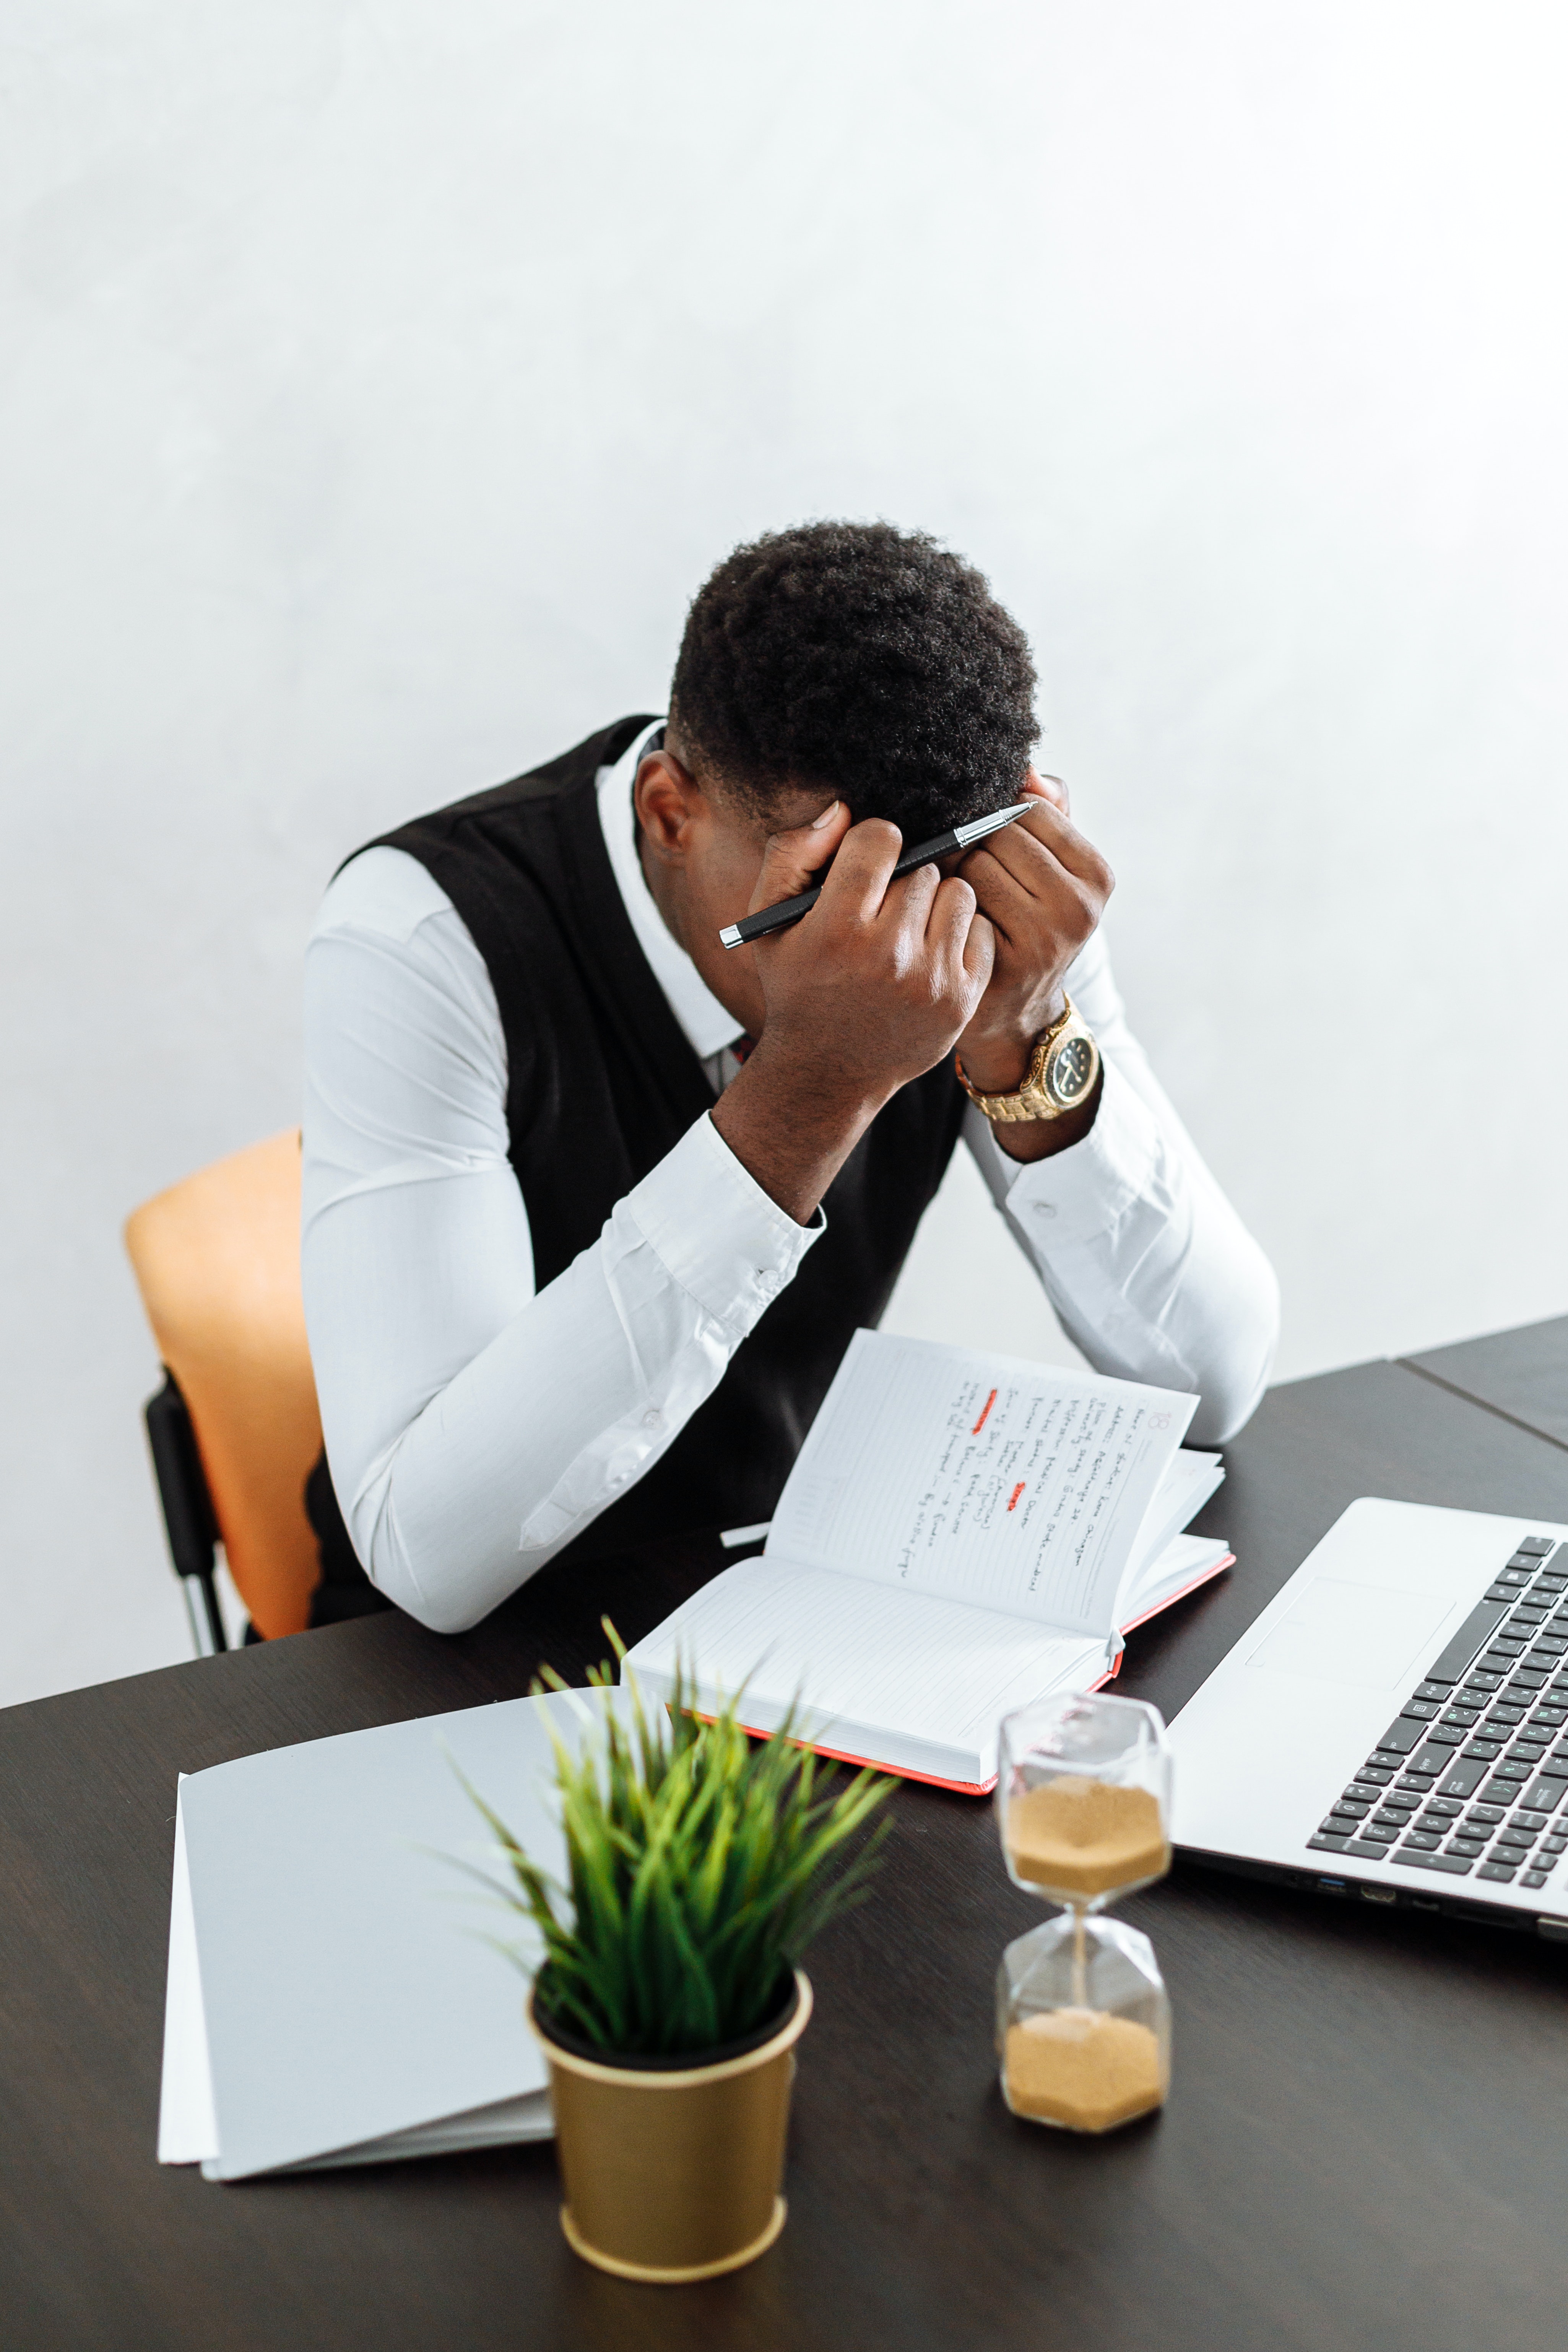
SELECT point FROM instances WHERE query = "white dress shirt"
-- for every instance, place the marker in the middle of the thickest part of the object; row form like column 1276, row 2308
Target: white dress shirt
column 474, row 1424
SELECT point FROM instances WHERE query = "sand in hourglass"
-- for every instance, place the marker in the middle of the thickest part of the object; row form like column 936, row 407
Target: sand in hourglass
column 1079, row 2066
column 1078, row 1836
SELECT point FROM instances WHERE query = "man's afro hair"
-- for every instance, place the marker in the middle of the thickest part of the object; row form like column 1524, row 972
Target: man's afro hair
column 857, row 659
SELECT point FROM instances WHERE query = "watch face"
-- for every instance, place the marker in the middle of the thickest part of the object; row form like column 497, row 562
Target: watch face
column 1070, row 1072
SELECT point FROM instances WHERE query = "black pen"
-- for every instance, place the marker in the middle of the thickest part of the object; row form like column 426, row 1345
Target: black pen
column 927, row 853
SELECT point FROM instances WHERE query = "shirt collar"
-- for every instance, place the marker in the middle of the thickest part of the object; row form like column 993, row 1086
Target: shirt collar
column 706, row 1024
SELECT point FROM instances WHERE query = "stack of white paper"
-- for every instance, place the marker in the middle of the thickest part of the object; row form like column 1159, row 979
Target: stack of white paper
column 332, row 1998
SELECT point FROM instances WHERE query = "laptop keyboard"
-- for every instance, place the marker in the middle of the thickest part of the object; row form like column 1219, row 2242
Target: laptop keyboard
column 1468, row 1779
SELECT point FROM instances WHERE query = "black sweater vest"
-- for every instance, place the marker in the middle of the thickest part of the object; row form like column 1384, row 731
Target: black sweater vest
column 602, row 1083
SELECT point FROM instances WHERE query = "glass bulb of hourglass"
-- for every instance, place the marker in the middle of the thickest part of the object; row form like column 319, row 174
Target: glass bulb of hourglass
column 1083, row 1793
column 1083, row 1805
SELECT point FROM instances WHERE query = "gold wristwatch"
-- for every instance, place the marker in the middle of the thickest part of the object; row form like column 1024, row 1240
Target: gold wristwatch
column 1061, row 1074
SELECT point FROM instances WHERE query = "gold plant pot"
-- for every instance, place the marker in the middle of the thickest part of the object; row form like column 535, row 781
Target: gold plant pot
column 673, row 2174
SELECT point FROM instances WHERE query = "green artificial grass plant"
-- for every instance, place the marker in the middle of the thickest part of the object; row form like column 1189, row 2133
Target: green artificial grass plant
column 701, row 1864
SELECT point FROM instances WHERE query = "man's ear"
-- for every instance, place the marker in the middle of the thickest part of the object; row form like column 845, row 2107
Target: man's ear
column 670, row 801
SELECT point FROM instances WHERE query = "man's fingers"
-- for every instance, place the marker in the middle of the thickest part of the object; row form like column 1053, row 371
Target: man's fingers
column 793, row 861
column 1037, row 786
column 1016, row 906
column 979, row 951
column 1048, row 838
column 952, row 928
column 858, row 882
column 1049, row 824
column 972, row 937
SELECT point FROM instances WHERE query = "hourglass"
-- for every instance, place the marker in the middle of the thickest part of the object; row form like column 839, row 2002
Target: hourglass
column 1083, row 2024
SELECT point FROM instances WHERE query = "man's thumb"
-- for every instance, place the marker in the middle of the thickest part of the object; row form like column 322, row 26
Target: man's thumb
column 793, row 861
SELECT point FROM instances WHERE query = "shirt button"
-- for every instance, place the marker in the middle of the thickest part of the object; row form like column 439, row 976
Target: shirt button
column 1044, row 1209
column 653, row 1418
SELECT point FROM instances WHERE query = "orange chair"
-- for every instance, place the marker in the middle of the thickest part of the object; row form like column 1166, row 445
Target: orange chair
column 235, row 1429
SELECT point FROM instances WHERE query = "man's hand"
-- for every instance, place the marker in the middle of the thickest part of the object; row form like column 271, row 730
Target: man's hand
column 1042, row 887
column 874, row 987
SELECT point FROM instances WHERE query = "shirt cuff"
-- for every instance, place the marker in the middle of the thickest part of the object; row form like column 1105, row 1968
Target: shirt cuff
column 716, row 1230
column 1087, row 1189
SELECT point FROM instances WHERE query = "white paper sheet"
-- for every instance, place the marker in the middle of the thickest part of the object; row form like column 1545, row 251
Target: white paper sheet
column 187, row 2124
column 187, row 2120
column 324, row 1969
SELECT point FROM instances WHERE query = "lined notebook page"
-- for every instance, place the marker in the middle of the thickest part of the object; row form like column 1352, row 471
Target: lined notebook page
column 906, row 1662
column 1017, row 1487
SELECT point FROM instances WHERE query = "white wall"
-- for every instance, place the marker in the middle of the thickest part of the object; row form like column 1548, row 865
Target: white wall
column 377, row 382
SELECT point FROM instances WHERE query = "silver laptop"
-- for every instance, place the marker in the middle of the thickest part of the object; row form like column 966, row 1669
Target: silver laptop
column 1393, row 1728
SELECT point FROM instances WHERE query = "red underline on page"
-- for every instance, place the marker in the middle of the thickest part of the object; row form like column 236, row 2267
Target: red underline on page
column 1013, row 1498
column 983, row 1411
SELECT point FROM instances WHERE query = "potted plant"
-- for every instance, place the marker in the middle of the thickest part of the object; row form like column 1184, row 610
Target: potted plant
column 700, row 1864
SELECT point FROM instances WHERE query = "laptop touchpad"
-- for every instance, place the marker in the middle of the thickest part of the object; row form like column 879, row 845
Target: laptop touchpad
column 1361, row 1633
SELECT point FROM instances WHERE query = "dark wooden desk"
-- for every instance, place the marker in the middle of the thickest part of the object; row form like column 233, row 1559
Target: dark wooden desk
column 1364, row 2147
column 1522, row 1375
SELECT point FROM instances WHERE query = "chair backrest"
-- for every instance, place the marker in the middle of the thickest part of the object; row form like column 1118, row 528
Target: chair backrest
column 216, row 1258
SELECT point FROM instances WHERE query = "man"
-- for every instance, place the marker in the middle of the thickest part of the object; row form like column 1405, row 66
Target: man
column 593, row 1204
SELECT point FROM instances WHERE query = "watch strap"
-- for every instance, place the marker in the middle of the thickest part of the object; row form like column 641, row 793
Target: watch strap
column 1063, row 1067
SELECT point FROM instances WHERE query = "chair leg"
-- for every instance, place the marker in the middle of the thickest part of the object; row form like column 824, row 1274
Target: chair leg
column 208, row 1635
column 189, row 1519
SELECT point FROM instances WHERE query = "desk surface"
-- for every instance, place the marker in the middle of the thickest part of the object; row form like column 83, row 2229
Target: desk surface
column 1364, row 2145
column 1521, row 1375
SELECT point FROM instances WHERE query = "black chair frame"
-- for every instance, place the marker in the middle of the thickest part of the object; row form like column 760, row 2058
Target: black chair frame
column 189, row 1520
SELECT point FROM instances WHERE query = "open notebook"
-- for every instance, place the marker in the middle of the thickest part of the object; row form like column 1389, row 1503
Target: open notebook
column 961, row 1534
